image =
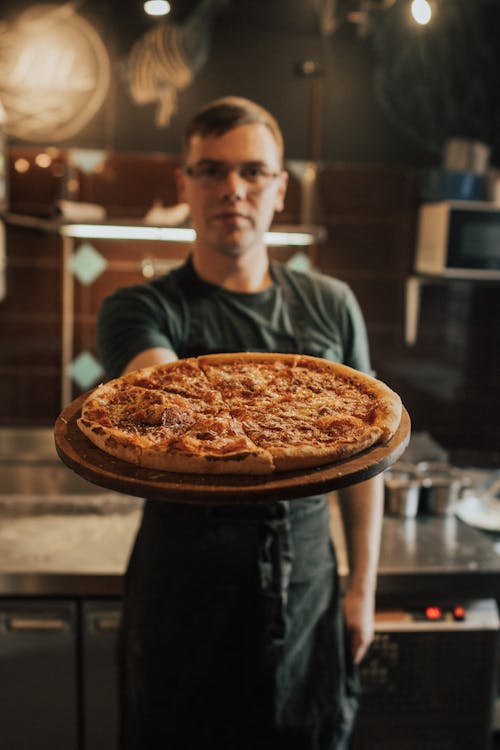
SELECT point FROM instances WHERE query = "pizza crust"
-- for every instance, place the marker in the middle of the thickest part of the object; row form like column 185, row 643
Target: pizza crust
column 289, row 459
column 259, row 462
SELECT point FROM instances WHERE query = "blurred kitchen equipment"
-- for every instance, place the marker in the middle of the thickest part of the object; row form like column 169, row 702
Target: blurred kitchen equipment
column 481, row 508
column 443, row 494
column 458, row 239
column 402, row 491
column 3, row 262
column 3, row 201
column 441, row 487
column 466, row 155
column 3, row 159
column 438, row 184
column 429, row 676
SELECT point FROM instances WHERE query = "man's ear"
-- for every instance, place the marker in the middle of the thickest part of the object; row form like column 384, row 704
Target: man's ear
column 279, row 203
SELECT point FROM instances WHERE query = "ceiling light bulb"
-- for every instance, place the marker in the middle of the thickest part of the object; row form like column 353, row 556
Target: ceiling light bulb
column 421, row 11
column 157, row 7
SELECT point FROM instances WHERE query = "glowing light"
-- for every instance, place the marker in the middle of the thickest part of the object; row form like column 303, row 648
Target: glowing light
column 459, row 612
column 300, row 239
column 117, row 232
column 421, row 11
column 176, row 234
column 433, row 613
column 21, row 165
column 43, row 160
column 88, row 160
column 54, row 74
column 157, row 7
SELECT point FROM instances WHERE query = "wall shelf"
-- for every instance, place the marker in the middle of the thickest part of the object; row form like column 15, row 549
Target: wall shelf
column 413, row 294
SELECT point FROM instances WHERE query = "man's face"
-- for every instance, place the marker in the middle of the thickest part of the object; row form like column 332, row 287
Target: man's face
column 233, row 185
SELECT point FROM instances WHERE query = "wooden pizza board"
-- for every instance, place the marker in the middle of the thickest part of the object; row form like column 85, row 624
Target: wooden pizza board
column 81, row 455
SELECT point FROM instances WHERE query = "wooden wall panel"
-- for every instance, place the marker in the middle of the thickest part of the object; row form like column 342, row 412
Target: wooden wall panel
column 34, row 190
column 365, row 191
column 29, row 340
column 127, row 185
column 375, row 246
column 30, row 329
column 31, row 396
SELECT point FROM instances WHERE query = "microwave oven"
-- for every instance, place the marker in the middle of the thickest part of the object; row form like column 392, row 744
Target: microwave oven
column 459, row 239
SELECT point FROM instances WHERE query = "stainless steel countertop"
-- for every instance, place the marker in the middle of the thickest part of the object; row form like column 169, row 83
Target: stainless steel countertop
column 439, row 556
column 86, row 553
column 65, row 553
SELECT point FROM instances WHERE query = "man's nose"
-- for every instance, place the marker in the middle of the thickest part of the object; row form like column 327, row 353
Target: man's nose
column 234, row 186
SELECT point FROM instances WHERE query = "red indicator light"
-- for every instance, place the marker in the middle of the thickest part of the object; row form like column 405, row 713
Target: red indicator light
column 433, row 613
column 459, row 613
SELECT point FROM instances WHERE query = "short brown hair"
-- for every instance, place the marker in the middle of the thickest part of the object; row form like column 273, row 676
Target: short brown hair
column 221, row 115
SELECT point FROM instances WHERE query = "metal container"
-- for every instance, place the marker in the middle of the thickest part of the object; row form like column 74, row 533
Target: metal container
column 443, row 495
column 443, row 486
column 402, row 492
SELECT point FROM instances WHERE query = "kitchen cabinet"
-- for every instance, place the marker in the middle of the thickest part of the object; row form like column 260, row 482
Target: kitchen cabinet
column 100, row 622
column 429, row 683
column 58, row 674
column 421, row 684
column 38, row 675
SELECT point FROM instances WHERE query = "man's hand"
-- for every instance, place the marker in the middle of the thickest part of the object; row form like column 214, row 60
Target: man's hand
column 358, row 612
column 362, row 508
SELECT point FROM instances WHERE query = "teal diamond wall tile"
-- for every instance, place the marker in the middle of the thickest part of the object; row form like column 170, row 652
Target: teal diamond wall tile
column 85, row 370
column 300, row 262
column 87, row 264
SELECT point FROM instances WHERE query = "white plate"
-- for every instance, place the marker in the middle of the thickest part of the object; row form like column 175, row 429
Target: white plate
column 481, row 513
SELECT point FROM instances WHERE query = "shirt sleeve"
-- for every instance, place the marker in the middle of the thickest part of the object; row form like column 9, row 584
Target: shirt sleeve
column 130, row 321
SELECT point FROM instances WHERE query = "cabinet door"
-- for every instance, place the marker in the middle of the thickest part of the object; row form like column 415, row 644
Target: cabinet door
column 38, row 675
column 100, row 675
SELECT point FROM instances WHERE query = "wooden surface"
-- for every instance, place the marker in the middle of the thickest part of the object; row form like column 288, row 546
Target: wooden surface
column 98, row 467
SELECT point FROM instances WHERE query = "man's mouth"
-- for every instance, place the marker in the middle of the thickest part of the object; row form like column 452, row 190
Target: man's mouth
column 231, row 216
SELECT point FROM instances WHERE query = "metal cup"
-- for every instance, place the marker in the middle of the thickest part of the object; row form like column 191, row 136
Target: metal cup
column 443, row 491
column 402, row 491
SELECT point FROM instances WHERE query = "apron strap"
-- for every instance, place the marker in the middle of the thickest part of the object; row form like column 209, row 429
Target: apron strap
column 275, row 569
column 194, row 295
column 293, row 304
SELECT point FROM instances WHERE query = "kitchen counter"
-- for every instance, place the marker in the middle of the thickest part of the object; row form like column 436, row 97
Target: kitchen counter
column 82, row 550
column 66, row 551
column 63, row 536
column 441, row 556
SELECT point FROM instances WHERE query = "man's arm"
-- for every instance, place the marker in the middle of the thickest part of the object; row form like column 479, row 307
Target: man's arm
column 362, row 508
column 150, row 357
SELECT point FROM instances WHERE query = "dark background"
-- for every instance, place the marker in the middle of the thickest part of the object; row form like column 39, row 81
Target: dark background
column 255, row 47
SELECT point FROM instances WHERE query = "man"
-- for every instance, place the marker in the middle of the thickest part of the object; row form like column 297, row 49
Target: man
column 234, row 635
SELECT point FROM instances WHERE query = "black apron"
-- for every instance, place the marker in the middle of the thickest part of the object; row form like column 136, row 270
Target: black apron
column 232, row 634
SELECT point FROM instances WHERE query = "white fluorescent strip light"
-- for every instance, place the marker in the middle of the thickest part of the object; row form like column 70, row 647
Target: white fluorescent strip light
column 118, row 232
column 302, row 239
column 174, row 234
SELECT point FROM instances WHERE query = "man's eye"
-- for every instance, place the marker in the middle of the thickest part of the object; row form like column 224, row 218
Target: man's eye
column 208, row 170
column 252, row 172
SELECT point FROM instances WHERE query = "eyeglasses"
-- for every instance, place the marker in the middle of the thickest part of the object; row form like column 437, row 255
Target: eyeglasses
column 209, row 173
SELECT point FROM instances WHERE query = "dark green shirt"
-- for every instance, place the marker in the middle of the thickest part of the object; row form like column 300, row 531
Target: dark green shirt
column 301, row 312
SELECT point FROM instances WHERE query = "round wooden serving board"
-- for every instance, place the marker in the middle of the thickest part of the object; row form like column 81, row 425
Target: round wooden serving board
column 98, row 467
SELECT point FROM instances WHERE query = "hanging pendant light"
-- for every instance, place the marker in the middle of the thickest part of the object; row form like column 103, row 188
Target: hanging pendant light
column 421, row 11
column 157, row 7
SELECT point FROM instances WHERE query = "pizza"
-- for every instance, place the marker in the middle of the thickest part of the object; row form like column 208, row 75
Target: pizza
column 243, row 413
